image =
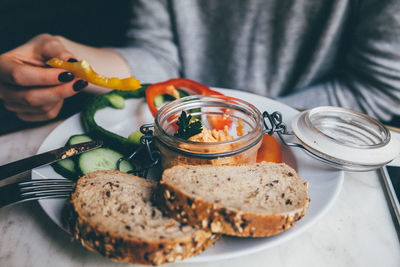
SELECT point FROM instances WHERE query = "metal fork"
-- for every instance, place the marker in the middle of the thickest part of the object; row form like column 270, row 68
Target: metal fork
column 33, row 190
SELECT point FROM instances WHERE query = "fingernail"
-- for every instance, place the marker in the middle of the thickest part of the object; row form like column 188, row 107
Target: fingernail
column 66, row 77
column 79, row 85
column 72, row 60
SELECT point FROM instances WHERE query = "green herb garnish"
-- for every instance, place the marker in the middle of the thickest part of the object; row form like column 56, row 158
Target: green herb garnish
column 187, row 128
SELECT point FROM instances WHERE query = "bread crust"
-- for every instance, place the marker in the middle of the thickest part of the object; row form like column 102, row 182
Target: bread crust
column 130, row 249
column 219, row 219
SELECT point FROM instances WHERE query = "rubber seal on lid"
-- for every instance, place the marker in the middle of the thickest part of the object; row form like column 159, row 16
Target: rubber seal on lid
column 346, row 138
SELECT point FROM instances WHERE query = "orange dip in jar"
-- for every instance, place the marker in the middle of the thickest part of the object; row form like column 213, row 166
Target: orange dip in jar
column 216, row 147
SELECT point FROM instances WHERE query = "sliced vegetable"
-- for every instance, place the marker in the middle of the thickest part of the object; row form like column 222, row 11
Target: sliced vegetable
column 135, row 137
column 95, row 131
column 219, row 122
column 182, row 93
column 171, row 87
column 83, row 70
column 154, row 91
column 269, row 150
column 158, row 101
column 116, row 101
column 67, row 167
column 78, row 139
column 101, row 159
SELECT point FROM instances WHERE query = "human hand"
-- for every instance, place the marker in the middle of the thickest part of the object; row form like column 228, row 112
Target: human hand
column 31, row 89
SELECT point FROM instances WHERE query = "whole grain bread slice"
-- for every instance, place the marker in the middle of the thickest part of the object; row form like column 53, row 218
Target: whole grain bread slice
column 111, row 212
column 255, row 200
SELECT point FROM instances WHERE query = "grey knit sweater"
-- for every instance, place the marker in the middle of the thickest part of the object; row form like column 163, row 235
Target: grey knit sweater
column 305, row 53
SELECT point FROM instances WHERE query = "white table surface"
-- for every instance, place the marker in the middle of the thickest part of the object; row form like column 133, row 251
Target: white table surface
column 357, row 231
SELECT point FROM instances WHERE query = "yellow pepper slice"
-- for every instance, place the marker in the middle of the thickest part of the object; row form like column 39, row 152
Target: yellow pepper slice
column 83, row 70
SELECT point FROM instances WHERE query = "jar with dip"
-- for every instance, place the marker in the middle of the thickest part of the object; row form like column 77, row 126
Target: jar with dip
column 245, row 131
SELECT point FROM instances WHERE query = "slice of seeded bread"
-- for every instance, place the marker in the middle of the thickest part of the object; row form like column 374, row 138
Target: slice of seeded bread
column 255, row 200
column 111, row 212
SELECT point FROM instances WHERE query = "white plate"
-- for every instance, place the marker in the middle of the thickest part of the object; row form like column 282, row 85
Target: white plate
column 324, row 182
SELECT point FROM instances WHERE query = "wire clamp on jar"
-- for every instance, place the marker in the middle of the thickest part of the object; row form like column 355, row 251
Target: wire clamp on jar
column 276, row 125
column 145, row 161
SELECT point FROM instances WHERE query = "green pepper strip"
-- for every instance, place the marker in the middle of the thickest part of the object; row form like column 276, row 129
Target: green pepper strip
column 94, row 130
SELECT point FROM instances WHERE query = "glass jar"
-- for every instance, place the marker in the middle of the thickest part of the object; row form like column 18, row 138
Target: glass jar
column 241, row 150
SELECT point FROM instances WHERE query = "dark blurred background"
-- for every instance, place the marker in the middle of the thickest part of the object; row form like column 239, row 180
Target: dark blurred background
column 97, row 23
column 92, row 22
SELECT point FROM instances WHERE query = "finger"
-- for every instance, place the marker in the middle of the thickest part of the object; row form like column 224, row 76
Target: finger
column 41, row 48
column 20, row 108
column 20, row 74
column 51, row 114
column 52, row 47
column 42, row 95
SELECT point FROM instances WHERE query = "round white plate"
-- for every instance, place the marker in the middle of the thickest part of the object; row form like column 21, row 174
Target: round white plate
column 324, row 182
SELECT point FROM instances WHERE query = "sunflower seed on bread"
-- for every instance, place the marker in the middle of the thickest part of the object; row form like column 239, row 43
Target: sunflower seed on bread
column 255, row 200
column 111, row 212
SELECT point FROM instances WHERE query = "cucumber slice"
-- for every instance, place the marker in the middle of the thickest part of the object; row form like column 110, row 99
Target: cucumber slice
column 135, row 137
column 101, row 159
column 66, row 168
column 95, row 131
column 182, row 93
column 125, row 166
column 78, row 139
column 158, row 101
column 116, row 101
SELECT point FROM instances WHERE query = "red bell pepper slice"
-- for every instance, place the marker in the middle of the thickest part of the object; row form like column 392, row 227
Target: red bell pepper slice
column 191, row 86
column 218, row 122
column 158, row 89
column 170, row 88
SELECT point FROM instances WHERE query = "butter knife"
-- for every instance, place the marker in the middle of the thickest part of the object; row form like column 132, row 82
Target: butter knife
column 20, row 166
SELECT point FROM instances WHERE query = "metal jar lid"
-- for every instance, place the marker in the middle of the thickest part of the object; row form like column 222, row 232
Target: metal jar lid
column 345, row 139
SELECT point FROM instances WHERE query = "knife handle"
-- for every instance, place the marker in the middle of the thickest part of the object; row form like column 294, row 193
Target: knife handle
column 24, row 165
column 45, row 158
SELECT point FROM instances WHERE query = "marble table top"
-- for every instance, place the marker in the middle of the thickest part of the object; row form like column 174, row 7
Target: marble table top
column 357, row 231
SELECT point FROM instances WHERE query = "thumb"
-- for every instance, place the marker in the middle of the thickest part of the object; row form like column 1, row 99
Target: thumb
column 49, row 46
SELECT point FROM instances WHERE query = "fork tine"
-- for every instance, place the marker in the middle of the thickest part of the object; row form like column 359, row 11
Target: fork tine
column 46, row 182
column 46, row 192
column 43, row 188
column 28, row 189
column 53, row 190
column 45, row 196
column 34, row 190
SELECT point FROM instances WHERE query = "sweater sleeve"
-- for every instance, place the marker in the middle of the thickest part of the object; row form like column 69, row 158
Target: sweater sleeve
column 151, row 53
column 368, row 78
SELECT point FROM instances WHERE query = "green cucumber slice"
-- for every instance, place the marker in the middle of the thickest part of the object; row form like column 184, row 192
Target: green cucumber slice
column 135, row 137
column 158, row 101
column 66, row 168
column 116, row 101
column 101, row 159
column 78, row 139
